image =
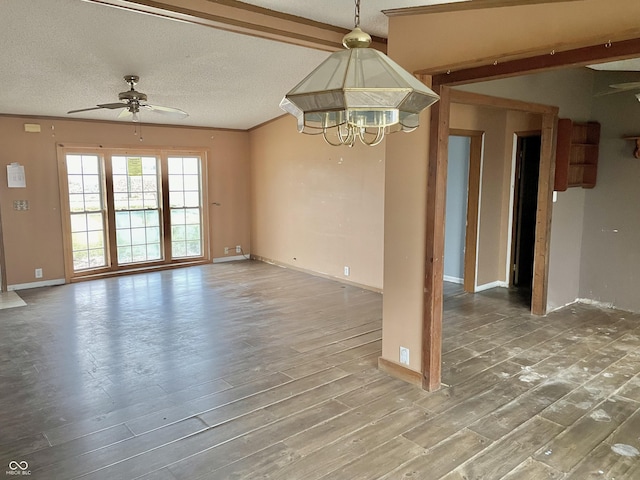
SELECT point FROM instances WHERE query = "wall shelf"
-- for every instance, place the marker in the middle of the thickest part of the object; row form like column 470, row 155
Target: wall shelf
column 576, row 154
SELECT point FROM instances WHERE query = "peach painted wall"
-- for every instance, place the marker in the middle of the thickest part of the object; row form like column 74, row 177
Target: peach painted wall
column 33, row 238
column 432, row 40
column 316, row 207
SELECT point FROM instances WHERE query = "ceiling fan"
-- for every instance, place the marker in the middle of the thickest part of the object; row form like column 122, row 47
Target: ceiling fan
column 622, row 87
column 132, row 101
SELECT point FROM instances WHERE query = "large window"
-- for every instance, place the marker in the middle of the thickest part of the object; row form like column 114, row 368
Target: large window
column 86, row 211
column 186, row 206
column 132, row 209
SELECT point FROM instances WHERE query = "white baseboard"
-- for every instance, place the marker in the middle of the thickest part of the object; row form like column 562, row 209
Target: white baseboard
column 447, row 278
column 489, row 286
column 230, row 259
column 44, row 283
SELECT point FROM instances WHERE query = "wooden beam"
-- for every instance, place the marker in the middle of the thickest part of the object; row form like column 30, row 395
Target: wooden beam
column 481, row 100
column 242, row 18
column 468, row 5
column 473, row 213
column 434, row 253
column 543, row 214
column 495, row 69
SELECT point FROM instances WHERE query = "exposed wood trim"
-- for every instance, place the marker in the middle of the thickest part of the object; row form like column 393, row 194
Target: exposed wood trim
column 400, row 371
column 434, row 234
column 478, row 99
column 434, row 248
column 460, row 132
column 468, row 5
column 492, row 69
column 543, row 215
column 545, row 190
column 473, row 214
column 64, row 212
column 238, row 17
column 435, row 216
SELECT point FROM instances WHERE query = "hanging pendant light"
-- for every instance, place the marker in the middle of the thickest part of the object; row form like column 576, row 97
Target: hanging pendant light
column 358, row 93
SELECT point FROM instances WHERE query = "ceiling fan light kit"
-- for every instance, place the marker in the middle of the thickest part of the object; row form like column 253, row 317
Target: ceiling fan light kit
column 358, row 93
column 131, row 101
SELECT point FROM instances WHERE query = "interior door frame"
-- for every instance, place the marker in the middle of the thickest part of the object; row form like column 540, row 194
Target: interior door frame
column 473, row 206
column 3, row 266
column 441, row 79
column 436, row 194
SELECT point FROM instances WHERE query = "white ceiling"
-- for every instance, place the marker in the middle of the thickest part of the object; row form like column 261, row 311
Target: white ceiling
column 64, row 55
column 68, row 54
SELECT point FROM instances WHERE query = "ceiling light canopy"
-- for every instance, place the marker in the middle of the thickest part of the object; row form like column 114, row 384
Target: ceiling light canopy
column 358, row 93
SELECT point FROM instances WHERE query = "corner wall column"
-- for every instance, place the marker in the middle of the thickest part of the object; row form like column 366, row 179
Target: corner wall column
column 434, row 241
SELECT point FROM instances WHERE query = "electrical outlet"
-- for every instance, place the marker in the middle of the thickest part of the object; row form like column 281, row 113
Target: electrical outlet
column 347, row 271
column 38, row 273
column 404, row 355
column 238, row 249
column 21, row 204
column 226, row 250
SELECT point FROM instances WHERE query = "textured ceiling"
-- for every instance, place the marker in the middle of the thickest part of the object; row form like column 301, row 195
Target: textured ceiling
column 63, row 55
column 68, row 54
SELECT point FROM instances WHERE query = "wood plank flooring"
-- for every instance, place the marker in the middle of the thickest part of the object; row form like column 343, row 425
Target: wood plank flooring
column 247, row 370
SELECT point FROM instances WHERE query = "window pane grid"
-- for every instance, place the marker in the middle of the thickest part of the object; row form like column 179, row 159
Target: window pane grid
column 135, row 194
column 86, row 208
column 185, row 201
column 139, row 226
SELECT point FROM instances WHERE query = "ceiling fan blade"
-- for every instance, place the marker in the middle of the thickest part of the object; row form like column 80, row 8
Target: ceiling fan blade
column 113, row 106
column 174, row 112
column 626, row 86
column 619, row 88
column 125, row 114
column 110, row 106
column 83, row 110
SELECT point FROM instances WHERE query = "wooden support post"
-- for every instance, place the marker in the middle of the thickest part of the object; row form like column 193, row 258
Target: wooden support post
column 543, row 215
column 434, row 242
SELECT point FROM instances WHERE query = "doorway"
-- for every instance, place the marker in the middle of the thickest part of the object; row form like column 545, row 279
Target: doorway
column 462, row 207
column 456, row 208
column 526, row 174
column 3, row 272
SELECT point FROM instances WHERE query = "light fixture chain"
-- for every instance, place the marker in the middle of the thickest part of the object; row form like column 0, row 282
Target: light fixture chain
column 356, row 19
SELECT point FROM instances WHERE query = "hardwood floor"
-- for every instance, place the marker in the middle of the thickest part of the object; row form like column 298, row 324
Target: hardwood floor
column 246, row 371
